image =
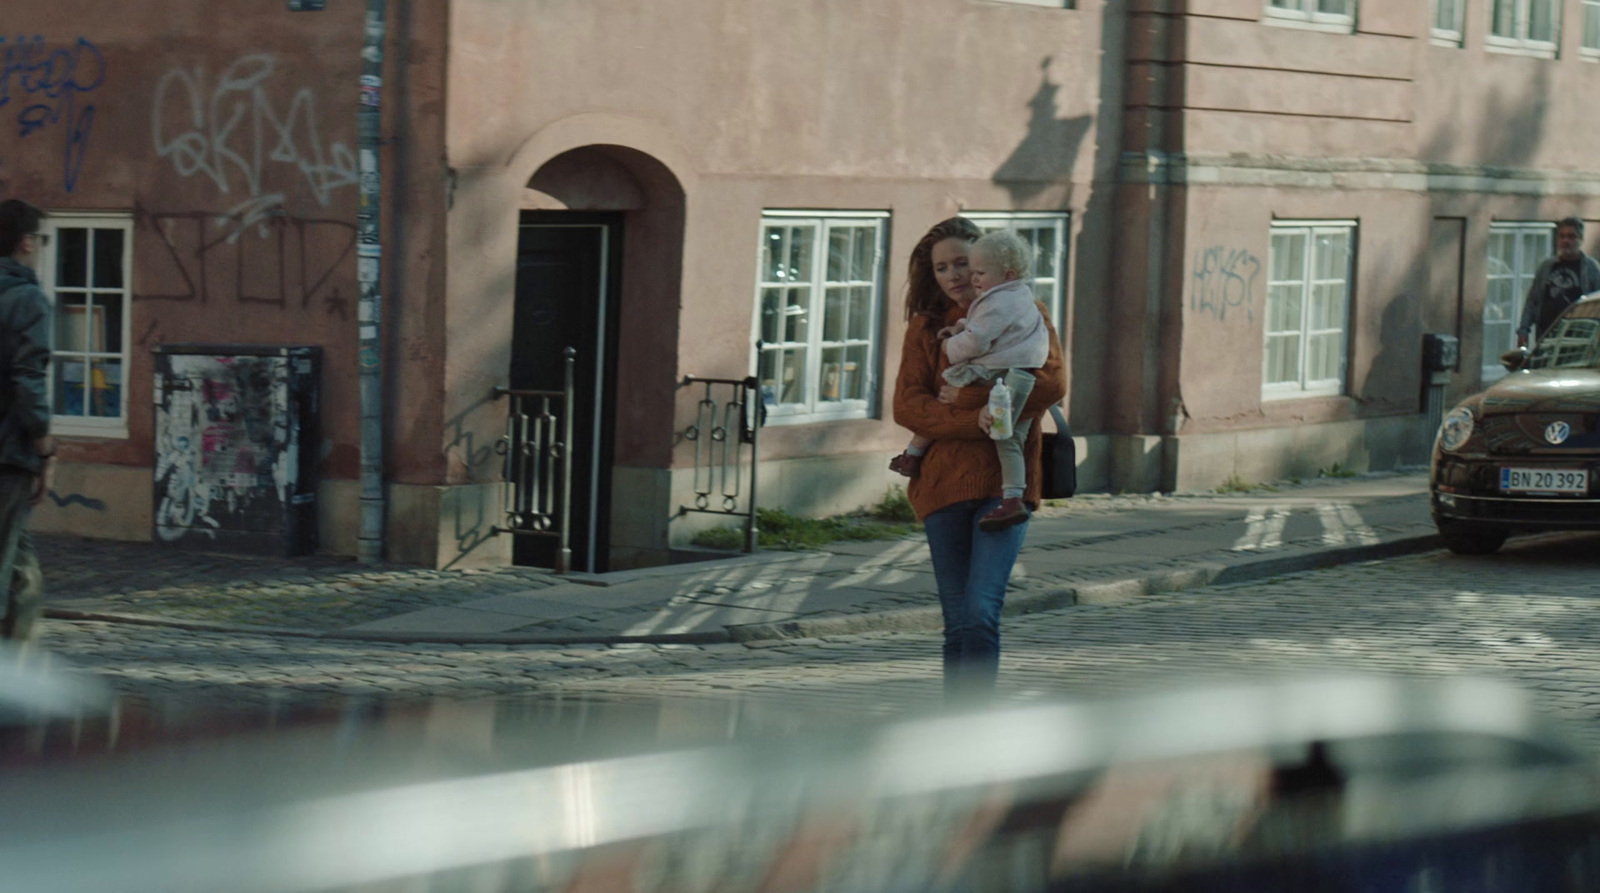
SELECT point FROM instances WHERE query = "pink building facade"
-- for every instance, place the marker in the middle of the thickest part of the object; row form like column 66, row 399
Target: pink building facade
column 1247, row 212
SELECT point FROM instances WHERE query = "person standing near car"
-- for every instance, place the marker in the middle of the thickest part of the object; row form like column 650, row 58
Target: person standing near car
column 27, row 450
column 1559, row 282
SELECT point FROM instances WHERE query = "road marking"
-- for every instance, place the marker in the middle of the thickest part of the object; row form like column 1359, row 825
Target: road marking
column 1342, row 525
column 1263, row 529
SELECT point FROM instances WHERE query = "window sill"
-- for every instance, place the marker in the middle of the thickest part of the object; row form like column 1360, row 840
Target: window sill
column 1589, row 54
column 1344, row 25
column 775, row 420
column 1531, row 51
column 1276, row 394
column 105, row 429
column 1450, row 39
column 1042, row 4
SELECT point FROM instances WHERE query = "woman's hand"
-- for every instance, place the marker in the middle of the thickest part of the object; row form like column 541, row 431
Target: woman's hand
column 948, row 393
column 985, row 419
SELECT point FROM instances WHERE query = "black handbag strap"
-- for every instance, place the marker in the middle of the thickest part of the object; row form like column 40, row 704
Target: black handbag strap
column 1061, row 420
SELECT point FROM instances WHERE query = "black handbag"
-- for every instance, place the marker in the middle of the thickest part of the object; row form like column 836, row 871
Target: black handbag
column 1058, row 460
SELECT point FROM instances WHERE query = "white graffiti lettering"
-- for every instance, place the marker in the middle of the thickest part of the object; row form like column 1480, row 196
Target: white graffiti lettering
column 232, row 132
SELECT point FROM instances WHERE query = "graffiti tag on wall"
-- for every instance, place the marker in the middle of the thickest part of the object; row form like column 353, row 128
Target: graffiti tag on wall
column 287, row 265
column 1224, row 279
column 231, row 132
column 225, row 448
column 45, row 82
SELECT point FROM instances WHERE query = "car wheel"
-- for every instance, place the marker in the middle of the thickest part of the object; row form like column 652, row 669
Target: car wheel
column 1467, row 538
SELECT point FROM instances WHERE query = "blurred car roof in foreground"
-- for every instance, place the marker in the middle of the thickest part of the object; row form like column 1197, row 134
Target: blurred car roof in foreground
column 1322, row 783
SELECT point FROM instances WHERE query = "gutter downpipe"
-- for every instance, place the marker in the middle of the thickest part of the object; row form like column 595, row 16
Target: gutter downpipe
column 369, row 254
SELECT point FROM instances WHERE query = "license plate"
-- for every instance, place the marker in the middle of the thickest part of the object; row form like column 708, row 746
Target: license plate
column 1573, row 482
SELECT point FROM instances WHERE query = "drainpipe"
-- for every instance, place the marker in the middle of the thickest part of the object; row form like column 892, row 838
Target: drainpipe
column 369, row 255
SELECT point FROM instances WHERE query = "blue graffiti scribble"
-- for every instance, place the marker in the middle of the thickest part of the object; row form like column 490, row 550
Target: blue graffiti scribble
column 93, row 505
column 50, row 82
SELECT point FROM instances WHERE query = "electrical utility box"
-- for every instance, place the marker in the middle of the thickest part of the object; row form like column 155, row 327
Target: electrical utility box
column 238, row 438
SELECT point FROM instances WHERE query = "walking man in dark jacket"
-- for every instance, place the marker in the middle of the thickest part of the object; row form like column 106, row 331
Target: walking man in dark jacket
column 1559, row 281
column 27, row 451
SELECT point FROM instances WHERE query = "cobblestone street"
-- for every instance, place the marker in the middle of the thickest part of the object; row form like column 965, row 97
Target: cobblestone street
column 1527, row 615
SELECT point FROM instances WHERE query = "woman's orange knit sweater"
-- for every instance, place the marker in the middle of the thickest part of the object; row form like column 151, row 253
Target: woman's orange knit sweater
column 962, row 463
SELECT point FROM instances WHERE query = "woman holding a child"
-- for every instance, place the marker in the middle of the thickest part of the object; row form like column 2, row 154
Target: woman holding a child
column 972, row 321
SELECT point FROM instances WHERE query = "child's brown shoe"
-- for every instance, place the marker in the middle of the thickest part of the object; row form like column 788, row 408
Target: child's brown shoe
column 906, row 464
column 1009, row 513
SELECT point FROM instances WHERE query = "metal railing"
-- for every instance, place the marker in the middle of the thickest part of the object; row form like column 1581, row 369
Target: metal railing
column 719, row 433
column 537, row 447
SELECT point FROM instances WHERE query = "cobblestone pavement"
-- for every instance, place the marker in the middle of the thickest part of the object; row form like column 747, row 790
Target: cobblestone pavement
column 1528, row 615
column 311, row 592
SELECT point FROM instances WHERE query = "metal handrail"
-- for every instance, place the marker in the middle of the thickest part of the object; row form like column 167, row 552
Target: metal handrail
column 717, row 457
column 532, row 505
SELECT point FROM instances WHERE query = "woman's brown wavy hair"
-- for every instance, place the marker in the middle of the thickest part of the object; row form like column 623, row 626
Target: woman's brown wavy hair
column 924, row 297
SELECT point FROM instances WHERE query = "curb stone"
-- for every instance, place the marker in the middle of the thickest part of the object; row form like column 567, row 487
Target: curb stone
column 921, row 619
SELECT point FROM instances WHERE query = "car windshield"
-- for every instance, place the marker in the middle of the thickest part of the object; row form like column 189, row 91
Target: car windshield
column 1572, row 343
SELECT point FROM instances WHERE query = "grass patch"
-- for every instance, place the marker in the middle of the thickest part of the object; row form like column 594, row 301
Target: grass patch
column 1337, row 471
column 1234, row 484
column 778, row 530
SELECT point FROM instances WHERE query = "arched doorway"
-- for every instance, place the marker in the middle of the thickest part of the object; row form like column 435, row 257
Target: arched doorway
column 599, row 262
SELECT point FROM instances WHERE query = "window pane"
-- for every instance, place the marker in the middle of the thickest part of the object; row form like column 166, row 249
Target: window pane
column 72, row 321
column 1286, row 4
column 855, row 372
column 1323, row 356
column 1333, row 255
column 1591, row 25
column 72, row 257
column 786, row 253
column 1044, row 265
column 1288, row 256
column 866, row 259
column 791, row 386
column 1334, row 7
column 1444, row 15
column 831, row 372
column 796, row 309
column 108, row 258
column 767, row 370
column 1283, row 359
column 1542, row 20
column 106, row 333
column 69, row 386
column 1504, row 21
column 771, row 314
column 860, row 313
column 105, row 388
column 841, row 254
column 1497, row 307
column 835, row 307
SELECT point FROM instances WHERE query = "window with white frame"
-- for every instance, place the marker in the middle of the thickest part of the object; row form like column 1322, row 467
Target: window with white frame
column 1331, row 15
column 1449, row 22
column 1515, row 250
column 86, row 270
column 1053, row 4
column 1531, row 27
column 1591, row 29
column 818, row 301
column 1046, row 233
column 1308, row 308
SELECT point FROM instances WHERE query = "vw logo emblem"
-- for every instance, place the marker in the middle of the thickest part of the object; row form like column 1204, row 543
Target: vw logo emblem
column 1558, row 432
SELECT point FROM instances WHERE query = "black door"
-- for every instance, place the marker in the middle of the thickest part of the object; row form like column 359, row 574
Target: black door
column 566, row 277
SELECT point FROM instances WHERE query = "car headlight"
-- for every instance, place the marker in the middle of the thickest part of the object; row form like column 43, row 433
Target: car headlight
column 1456, row 429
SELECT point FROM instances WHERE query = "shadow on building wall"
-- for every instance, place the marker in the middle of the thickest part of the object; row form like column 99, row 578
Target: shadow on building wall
column 1048, row 153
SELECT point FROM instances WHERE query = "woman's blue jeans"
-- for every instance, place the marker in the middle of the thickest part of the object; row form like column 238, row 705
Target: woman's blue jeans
column 971, row 568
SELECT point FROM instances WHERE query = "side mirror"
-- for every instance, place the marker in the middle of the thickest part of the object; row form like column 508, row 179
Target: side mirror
column 1514, row 359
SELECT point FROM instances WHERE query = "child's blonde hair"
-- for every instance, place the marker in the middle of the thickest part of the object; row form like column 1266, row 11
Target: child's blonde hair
column 1008, row 250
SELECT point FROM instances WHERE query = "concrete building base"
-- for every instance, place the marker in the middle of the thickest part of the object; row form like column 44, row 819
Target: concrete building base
column 1205, row 461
